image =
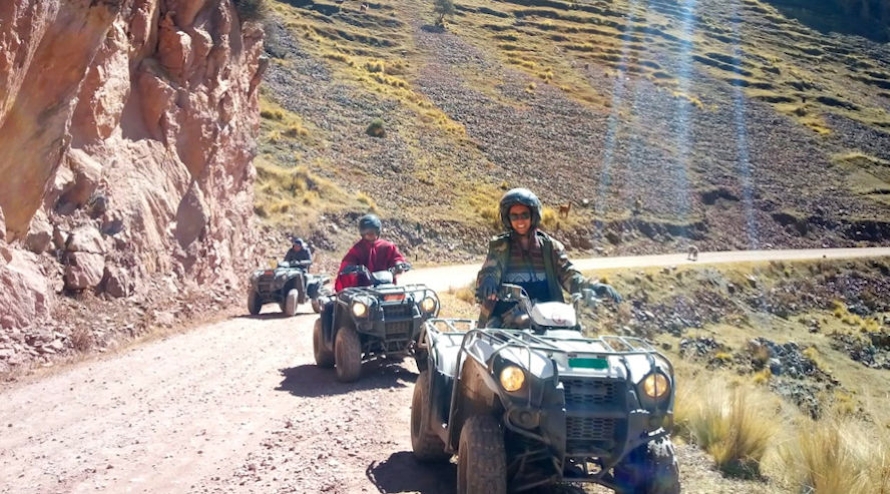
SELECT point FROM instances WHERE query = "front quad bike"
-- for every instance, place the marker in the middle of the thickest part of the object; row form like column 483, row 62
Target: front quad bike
column 523, row 408
column 361, row 323
column 288, row 285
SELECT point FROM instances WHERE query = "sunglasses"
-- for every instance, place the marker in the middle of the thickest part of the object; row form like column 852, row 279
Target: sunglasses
column 520, row 216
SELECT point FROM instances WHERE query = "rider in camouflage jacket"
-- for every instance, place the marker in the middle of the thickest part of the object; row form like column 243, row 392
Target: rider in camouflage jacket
column 528, row 257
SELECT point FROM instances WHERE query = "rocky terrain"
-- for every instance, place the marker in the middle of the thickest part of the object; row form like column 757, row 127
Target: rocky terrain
column 127, row 130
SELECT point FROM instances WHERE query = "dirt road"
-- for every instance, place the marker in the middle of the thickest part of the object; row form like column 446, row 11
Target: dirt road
column 445, row 277
column 239, row 406
column 198, row 412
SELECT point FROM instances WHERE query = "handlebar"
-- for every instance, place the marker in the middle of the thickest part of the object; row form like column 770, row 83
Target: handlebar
column 398, row 268
column 509, row 292
column 294, row 264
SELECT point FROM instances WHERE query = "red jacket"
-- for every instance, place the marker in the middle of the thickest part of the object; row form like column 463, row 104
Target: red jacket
column 376, row 256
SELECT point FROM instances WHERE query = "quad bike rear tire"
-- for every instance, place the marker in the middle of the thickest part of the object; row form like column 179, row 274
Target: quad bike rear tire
column 650, row 469
column 481, row 457
column 254, row 303
column 291, row 301
column 427, row 446
column 347, row 355
column 324, row 358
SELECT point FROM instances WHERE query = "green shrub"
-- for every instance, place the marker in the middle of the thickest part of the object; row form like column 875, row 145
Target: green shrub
column 443, row 8
column 376, row 128
column 272, row 115
column 250, row 10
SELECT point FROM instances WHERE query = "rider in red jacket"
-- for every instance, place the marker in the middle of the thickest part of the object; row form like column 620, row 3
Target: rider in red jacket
column 370, row 251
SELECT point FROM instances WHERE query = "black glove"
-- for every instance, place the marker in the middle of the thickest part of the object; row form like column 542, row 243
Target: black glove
column 603, row 290
column 487, row 288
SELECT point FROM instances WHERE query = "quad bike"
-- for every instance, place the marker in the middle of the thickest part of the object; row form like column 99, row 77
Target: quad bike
column 289, row 285
column 377, row 320
column 530, row 407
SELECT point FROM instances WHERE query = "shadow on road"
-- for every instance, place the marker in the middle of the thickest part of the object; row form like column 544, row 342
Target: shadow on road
column 276, row 315
column 402, row 473
column 312, row 381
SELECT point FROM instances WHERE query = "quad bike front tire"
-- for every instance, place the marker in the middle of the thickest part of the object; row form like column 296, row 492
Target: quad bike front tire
column 481, row 457
column 324, row 358
column 347, row 355
column 254, row 303
column 427, row 446
column 650, row 469
column 291, row 301
column 316, row 305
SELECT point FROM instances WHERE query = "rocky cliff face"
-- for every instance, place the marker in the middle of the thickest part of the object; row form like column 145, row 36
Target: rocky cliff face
column 126, row 138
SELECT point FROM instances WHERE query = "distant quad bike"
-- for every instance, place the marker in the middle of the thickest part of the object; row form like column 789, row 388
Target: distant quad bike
column 541, row 404
column 377, row 320
column 288, row 285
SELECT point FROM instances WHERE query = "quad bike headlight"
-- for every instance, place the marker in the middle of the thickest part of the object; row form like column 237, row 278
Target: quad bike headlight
column 359, row 309
column 428, row 305
column 656, row 386
column 512, row 378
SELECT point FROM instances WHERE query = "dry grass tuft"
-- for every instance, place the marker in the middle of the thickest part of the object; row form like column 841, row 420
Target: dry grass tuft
column 838, row 455
column 732, row 425
column 459, row 303
column 283, row 194
column 82, row 339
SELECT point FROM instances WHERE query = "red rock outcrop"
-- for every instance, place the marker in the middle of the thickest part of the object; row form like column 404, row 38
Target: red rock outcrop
column 126, row 138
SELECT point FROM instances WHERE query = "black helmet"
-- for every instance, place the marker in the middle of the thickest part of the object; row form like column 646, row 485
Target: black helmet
column 369, row 221
column 524, row 197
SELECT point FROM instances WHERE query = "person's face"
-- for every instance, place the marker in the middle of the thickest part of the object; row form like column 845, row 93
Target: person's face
column 369, row 235
column 520, row 218
column 298, row 247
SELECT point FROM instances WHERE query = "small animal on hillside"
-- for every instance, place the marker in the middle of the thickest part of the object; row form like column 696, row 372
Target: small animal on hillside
column 565, row 209
column 364, row 7
column 692, row 253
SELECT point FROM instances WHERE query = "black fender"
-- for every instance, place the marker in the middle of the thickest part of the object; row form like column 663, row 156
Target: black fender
column 335, row 315
column 327, row 323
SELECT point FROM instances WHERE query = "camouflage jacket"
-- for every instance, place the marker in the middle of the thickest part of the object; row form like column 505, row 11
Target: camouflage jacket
column 561, row 273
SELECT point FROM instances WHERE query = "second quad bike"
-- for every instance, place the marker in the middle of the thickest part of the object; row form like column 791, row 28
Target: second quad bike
column 530, row 407
column 289, row 284
column 376, row 319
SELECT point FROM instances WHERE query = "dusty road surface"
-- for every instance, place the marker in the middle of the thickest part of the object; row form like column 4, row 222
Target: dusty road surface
column 198, row 412
column 239, row 406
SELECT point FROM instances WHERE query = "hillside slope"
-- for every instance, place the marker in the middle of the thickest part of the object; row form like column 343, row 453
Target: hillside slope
column 728, row 125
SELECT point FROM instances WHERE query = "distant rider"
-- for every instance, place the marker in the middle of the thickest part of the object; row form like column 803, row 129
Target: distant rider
column 371, row 251
column 528, row 257
column 299, row 254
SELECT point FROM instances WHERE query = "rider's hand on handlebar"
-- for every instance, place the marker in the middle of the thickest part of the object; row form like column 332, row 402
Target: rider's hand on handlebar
column 488, row 289
column 604, row 290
